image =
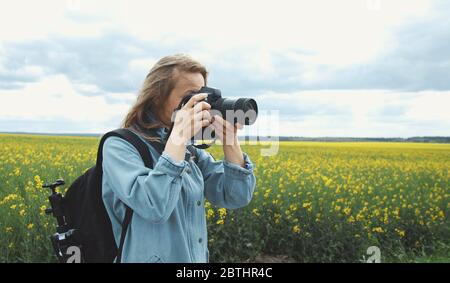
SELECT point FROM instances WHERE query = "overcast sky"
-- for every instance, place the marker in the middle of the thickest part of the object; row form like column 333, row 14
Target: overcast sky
column 362, row 68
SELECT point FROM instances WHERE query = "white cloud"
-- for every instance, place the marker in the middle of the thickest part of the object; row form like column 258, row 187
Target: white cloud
column 121, row 98
column 336, row 32
column 55, row 98
column 26, row 71
column 27, row 20
column 362, row 113
column 87, row 88
column 430, row 106
column 141, row 66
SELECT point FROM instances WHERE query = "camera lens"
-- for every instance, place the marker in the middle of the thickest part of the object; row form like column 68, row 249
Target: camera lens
column 244, row 110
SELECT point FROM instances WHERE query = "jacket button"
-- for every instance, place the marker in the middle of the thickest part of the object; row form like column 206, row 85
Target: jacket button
column 199, row 203
column 200, row 240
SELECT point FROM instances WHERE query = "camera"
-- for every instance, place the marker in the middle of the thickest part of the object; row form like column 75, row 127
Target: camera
column 242, row 110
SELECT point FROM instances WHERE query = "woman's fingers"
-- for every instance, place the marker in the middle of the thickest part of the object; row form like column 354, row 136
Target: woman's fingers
column 215, row 124
column 200, row 106
column 225, row 123
column 194, row 99
column 224, row 129
column 203, row 115
column 218, row 129
column 218, row 120
column 206, row 115
column 205, row 123
column 200, row 120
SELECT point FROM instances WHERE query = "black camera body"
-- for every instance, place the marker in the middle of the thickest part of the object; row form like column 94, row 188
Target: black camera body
column 242, row 110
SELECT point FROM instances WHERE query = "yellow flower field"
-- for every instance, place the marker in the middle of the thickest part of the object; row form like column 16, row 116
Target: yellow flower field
column 313, row 201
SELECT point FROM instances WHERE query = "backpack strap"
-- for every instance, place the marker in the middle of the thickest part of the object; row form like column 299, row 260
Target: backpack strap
column 132, row 138
column 125, row 224
column 144, row 152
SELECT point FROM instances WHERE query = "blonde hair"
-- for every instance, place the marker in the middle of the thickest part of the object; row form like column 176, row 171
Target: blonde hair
column 155, row 91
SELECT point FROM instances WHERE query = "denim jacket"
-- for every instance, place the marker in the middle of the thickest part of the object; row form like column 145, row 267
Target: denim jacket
column 169, row 220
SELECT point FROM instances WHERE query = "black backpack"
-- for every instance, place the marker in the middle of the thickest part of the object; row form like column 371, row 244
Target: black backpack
column 85, row 215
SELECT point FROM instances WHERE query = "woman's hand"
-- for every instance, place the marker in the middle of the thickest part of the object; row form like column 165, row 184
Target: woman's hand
column 227, row 134
column 190, row 119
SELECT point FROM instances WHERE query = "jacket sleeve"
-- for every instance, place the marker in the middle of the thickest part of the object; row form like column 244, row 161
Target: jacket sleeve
column 227, row 184
column 151, row 193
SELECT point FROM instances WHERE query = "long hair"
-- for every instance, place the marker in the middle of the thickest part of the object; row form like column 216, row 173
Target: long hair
column 155, row 91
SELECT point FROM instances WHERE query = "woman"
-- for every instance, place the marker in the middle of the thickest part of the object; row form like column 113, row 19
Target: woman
column 169, row 222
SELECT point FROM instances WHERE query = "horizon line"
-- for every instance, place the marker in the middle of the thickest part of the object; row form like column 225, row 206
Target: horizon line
column 240, row 136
